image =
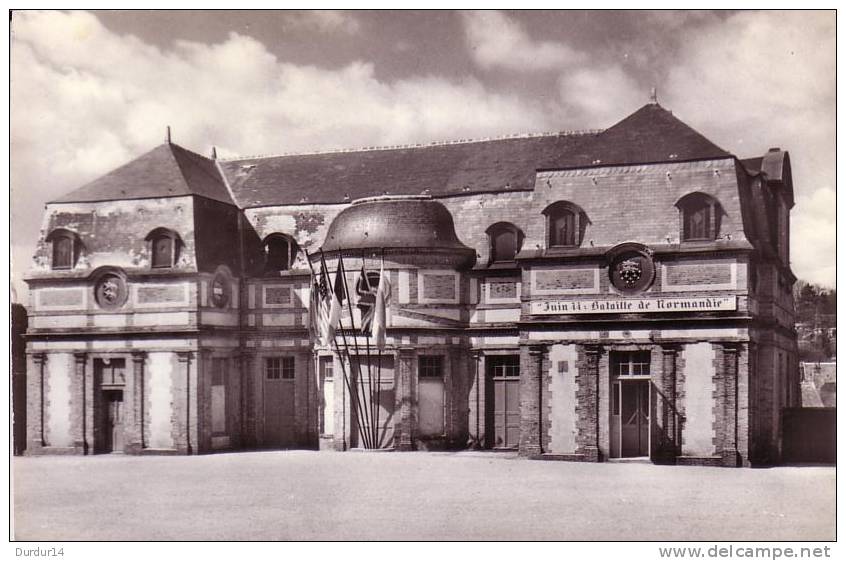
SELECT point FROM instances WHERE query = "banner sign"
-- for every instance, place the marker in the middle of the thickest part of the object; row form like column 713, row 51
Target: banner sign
column 635, row 305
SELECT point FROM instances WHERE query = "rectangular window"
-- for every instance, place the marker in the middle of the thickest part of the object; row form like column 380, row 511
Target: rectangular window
column 431, row 367
column 634, row 363
column 504, row 366
column 273, row 368
column 62, row 252
column 162, row 251
column 279, row 368
column 327, row 367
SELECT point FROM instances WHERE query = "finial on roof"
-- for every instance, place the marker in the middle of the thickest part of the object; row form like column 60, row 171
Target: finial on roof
column 167, row 137
column 653, row 96
column 214, row 152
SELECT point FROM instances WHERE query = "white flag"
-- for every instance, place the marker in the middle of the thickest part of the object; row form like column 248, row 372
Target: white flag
column 383, row 298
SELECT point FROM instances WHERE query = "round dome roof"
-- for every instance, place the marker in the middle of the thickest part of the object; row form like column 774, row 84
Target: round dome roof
column 417, row 223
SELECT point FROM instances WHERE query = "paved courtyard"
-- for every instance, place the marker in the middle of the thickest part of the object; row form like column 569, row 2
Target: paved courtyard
column 303, row 495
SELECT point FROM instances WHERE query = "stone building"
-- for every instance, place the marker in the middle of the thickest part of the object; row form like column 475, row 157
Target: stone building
column 578, row 296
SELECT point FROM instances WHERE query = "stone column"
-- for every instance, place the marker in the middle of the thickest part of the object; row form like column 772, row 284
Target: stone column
column 138, row 437
column 730, row 455
column 670, row 443
column 35, row 404
column 405, row 399
column 587, row 403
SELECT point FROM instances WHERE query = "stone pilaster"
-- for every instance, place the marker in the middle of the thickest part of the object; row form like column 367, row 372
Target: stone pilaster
column 670, row 443
column 137, row 436
column 82, row 405
column 187, row 432
column 36, row 390
column 729, row 451
column 405, row 399
column 587, row 403
column 531, row 399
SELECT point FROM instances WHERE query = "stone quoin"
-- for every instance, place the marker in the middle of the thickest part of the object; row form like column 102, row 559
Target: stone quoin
column 623, row 293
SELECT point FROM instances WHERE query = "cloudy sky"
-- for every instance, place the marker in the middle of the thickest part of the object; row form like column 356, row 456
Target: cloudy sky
column 91, row 90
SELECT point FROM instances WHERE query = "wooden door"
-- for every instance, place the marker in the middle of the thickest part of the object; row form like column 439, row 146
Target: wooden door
column 279, row 426
column 634, row 417
column 504, row 375
column 113, row 414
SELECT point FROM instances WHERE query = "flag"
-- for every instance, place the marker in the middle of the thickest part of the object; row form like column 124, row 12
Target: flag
column 383, row 298
column 339, row 295
column 320, row 309
column 366, row 300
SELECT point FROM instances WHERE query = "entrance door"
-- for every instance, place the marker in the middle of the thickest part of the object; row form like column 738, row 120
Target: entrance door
column 279, row 378
column 634, row 418
column 113, row 421
column 504, row 418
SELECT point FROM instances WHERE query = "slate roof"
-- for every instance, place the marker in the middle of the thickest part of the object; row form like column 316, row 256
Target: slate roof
column 165, row 171
column 650, row 135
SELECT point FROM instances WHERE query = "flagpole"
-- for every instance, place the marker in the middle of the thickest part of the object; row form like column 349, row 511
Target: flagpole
column 325, row 276
column 379, row 360
column 355, row 341
column 356, row 406
column 370, row 403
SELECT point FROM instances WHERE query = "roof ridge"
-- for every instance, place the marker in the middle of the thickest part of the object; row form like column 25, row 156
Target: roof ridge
column 432, row 144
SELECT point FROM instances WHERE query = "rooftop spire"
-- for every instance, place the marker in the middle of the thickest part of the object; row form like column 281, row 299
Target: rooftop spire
column 167, row 135
column 653, row 96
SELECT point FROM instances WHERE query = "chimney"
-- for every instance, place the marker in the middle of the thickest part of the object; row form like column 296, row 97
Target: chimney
column 167, row 136
column 214, row 152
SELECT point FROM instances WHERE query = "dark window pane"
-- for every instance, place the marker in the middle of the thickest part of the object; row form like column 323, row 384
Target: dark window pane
column 278, row 254
column 504, row 366
column 431, row 367
column 564, row 228
column 288, row 370
column 273, row 368
column 62, row 252
column 697, row 222
column 504, row 245
column 163, row 251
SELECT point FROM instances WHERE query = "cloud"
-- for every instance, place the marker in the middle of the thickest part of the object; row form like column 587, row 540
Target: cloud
column 497, row 41
column 86, row 100
column 325, row 21
column 762, row 79
column 600, row 95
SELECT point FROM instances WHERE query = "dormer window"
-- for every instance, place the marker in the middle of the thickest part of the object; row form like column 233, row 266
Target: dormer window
column 505, row 239
column 65, row 249
column 164, row 248
column 566, row 224
column 280, row 252
column 700, row 217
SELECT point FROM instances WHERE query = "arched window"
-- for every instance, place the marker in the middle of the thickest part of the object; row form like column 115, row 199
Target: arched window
column 700, row 217
column 280, row 251
column 566, row 224
column 505, row 240
column 65, row 248
column 164, row 248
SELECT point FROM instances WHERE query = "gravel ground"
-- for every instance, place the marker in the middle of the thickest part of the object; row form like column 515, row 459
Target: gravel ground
column 303, row 495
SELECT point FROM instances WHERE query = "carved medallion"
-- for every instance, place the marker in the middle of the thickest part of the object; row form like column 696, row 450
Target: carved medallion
column 110, row 291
